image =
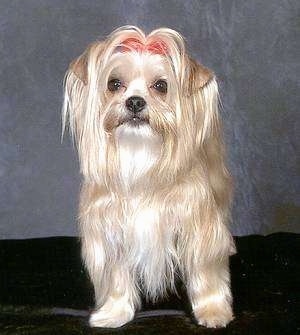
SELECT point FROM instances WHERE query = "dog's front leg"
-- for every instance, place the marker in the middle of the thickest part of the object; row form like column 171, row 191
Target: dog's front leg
column 206, row 269
column 209, row 292
column 116, row 293
column 121, row 301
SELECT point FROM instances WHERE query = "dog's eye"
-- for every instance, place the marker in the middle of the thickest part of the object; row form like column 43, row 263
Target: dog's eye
column 161, row 86
column 114, row 85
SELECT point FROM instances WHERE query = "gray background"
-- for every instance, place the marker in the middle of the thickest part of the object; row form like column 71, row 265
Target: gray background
column 251, row 45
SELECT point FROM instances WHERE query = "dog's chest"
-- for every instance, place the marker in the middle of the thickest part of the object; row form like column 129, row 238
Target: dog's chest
column 149, row 238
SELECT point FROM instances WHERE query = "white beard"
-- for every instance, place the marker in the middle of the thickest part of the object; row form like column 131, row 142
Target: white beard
column 139, row 148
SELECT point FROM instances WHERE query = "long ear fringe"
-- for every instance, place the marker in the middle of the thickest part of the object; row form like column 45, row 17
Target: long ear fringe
column 209, row 97
column 74, row 95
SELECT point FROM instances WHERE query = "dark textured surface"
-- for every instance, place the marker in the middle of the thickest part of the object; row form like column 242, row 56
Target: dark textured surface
column 253, row 47
column 43, row 279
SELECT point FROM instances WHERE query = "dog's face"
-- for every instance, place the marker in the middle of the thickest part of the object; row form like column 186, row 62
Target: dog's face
column 134, row 96
column 146, row 84
column 138, row 99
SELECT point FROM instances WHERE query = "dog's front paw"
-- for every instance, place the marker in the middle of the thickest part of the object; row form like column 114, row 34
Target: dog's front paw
column 112, row 316
column 214, row 315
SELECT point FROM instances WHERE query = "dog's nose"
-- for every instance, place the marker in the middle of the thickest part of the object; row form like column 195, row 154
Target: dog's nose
column 135, row 104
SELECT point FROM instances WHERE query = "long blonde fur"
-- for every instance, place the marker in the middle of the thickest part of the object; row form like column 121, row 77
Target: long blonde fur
column 155, row 199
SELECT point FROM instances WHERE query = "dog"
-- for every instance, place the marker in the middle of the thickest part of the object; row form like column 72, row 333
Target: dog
column 156, row 193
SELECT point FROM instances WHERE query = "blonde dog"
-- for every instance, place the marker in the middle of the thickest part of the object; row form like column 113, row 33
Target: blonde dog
column 156, row 192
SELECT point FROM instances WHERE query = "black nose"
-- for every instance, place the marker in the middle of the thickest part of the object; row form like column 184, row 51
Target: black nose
column 135, row 104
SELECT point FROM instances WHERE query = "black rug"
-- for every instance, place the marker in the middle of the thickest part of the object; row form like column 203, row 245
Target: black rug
column 45, row 290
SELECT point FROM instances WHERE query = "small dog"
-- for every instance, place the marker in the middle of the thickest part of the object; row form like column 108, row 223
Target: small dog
column 156, row 193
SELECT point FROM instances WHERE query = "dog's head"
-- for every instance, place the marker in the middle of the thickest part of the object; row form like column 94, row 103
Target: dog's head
column 143, row 83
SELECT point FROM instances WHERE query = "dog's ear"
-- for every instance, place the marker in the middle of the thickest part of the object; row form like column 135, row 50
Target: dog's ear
column 201, row 92
column 79, row 66
column 198, row 76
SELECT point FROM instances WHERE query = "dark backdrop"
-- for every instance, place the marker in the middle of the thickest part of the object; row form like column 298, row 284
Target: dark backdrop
column 253, row 46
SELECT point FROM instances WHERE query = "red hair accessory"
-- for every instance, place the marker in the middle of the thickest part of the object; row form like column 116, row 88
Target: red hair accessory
column 155, row 47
